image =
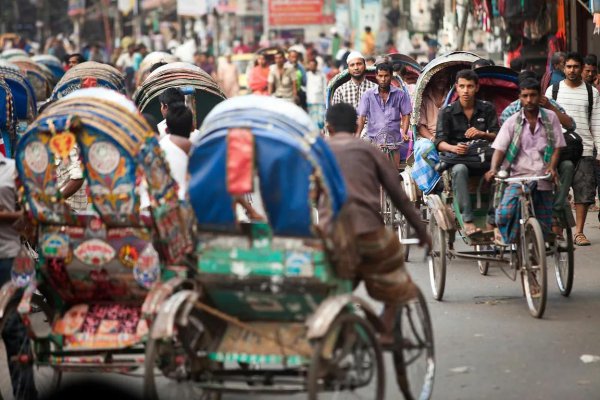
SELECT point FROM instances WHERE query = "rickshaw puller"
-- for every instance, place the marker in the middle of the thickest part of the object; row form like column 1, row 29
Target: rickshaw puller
column 366, row 169
column 462, row 121
column 528, row 144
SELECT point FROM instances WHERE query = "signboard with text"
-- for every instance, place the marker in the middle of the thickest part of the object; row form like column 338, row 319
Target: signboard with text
column 297, row 12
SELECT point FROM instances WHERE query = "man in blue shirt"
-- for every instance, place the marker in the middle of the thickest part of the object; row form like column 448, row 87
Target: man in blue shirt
column 387, row 109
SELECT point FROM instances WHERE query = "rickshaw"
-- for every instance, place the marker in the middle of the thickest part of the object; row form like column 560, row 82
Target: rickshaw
column 101, row 274
column 8, row 134
column 21, row 103
column 499, row 85
column 89, row 74
column 201, row 90
column 40, row 77
column 52, row 63
column 148, row 61
column 274, row 310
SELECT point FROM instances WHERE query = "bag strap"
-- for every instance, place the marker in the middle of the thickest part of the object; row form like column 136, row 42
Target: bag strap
column 555, row 88
column 590, row 102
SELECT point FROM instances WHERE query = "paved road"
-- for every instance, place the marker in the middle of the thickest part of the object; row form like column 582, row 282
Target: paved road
column 488, row 347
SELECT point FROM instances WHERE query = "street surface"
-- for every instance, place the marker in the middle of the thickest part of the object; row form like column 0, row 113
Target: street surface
column 487, row 345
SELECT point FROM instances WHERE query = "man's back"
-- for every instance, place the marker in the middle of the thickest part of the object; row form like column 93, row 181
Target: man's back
column 365, row 170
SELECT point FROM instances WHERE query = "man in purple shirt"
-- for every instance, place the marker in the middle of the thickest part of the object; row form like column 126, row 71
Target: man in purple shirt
column 528, row 144
column 387, row 109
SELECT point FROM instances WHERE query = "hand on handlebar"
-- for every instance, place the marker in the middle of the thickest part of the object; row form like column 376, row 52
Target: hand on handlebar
column 553, row 174
column 490, row 175
column 425, row 239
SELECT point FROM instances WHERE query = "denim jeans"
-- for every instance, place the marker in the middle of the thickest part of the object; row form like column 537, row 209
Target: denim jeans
column 460, row 182
column 15, row 340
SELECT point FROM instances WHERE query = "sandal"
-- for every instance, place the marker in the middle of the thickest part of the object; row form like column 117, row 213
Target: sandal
column 581, row 240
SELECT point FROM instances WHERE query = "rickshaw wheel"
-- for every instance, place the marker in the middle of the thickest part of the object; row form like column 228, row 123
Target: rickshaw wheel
column 46, row 379
column 347, row 357
column 534, row 274
column 162, row 354
column 403, row 233
column 414, row 358
column 564, row 265
column 483, row 265
column 437, row 259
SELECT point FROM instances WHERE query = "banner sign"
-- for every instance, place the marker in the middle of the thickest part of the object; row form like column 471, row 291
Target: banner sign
column 191, row 8
column 297, row 12
column 76, row 7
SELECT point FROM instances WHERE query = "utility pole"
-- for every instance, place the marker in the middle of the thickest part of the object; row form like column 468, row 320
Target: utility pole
column 463, row 24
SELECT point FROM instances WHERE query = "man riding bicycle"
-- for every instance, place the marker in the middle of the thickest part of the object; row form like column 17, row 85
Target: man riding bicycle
column 528, row 144
column 387, row 109
column 366, row 169
column 459, row 123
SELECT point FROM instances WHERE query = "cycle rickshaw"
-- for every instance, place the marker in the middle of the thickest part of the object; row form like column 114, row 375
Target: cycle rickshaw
column 41, row 78
column 201, row 91
column 148, row 61
column 499, row 85
column 274, row 310
column 102, row 273
column 89, row 74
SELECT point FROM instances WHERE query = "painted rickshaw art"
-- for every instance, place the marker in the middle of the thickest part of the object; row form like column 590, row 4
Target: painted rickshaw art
column 87, row 75
column 274, row 296
column 99, row 270
column 200, row 89
column 19, row 106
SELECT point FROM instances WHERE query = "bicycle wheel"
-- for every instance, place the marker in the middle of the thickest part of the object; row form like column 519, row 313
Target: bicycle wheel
column 533, row 268
column 348, row 357
column 483, row 265
column 403, row 233
column 437, row 259
column 413, row 355
column 27, row 377
column 564, row 264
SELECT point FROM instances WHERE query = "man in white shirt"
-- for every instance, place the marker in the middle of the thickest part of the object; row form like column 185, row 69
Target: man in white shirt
column 176, row 144
column 315, row 93
column 168, row 97
column 574, row 96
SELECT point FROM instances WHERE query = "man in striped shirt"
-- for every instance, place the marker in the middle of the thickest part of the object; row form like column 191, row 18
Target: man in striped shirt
column 573, row 96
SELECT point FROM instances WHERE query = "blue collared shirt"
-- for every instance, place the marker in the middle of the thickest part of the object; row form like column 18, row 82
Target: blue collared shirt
column 384, row 118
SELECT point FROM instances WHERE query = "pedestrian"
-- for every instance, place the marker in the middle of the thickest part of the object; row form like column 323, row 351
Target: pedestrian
column 258, row 77
column 14, row 334
column 351, row 91
column 366, row 171
column 227, row 76
column 556, row 72
column 176, row 143
column 294, row 61
column 368, row 42
column 315, row 93
column 581, row 101
column 590, row 71
column 335, row 43
column 342, row 54
column 283, row 79
column 388, row 111
column 74, row 59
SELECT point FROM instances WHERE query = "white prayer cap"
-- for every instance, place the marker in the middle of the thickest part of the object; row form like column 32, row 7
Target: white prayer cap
column 353, row 55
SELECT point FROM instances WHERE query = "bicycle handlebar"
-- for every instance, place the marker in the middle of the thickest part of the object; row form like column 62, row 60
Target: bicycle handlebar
column 523, row 179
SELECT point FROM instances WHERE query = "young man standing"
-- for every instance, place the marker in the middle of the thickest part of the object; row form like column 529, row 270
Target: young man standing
column 462, row 121
column 366, row 170
column 582, row 102
column 282, row 79
column 388, row 110
column 315, row 93
column 528, row 144
column 176, row 144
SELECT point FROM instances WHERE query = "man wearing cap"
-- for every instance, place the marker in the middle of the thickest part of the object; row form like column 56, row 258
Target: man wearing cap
column 351, row 91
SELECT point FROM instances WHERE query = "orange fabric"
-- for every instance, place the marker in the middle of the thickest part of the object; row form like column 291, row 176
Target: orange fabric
column 258, row 80
column 240, row 161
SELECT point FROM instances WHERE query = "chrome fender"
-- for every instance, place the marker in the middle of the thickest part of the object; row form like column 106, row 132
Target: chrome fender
column 7, row 292
column 320, row 321
column 164, row 323
column 160, row 292
column 440, row 212
column 409, row 185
